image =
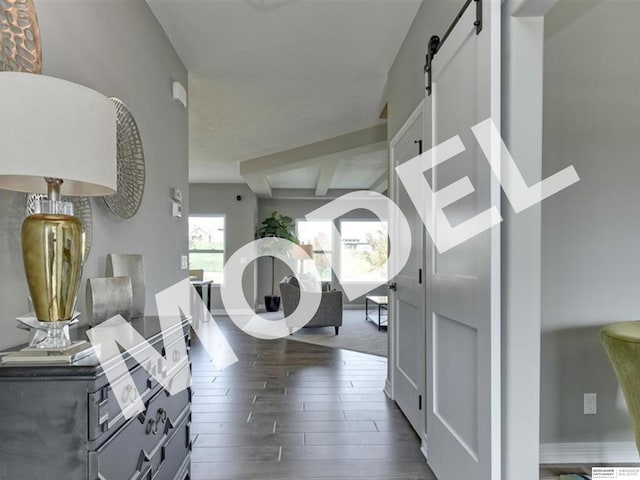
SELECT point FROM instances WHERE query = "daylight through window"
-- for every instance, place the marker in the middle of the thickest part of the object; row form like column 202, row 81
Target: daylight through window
column 312, row 233
column 363, row 251
column 206, row 246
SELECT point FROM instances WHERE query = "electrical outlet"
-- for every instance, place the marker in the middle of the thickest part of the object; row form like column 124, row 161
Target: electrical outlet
column 590, row 403
column 184, row 262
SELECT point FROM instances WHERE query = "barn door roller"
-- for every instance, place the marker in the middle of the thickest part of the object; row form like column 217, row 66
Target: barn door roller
column 435, row 43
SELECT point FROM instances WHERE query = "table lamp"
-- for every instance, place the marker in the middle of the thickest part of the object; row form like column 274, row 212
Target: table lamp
column 55, row 137
column 303, row 253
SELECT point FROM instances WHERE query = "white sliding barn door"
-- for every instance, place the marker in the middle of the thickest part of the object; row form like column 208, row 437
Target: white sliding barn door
column 463, row 305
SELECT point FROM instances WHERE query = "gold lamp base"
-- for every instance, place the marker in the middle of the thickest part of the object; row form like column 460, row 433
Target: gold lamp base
column 52, row 249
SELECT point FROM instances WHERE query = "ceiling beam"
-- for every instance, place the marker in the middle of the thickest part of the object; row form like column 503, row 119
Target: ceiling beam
column 327, row 170
column 381, row 185
column 307, row 194
column 259, row 184
column 310, row 154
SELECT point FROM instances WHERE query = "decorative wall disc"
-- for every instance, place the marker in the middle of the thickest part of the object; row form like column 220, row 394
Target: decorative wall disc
column 20, row 47
column 81, row 210
column 131, row 172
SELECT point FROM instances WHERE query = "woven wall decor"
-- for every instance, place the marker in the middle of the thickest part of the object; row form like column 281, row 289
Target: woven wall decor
column 131, row 170
column 81, row 210
column 20, row 47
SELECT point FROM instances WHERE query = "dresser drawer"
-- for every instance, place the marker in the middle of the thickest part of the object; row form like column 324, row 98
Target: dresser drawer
column 176, row 454
column 137, row 450
column 105, row 414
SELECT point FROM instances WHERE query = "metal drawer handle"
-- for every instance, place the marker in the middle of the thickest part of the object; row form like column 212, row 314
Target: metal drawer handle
column 152, row 426
column 129, row 394
column 162, row 415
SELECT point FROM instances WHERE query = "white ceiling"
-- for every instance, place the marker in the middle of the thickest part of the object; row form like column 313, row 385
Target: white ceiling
column 270, row 75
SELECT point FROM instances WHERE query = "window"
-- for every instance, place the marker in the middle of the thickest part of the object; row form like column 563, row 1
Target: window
column 312, row 233
column 363, row 252
column 206, row 246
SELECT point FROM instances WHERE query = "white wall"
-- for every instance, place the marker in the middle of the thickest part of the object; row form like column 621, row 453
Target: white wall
column 521, row 128
column 240, row 224
column 118, row 48
column 591, row 231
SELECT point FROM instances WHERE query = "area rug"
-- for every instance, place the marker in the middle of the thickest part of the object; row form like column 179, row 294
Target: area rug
column 356, row 334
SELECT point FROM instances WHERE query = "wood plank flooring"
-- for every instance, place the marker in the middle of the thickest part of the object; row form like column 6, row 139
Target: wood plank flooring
column 292, row 410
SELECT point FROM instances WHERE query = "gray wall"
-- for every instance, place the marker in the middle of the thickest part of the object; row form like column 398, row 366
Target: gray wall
column 118, row 48
column 590, row 232
column 405, row 84
column 298, row 209
column 240, row 224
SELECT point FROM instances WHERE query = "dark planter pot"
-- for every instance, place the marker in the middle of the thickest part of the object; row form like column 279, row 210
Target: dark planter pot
column 272, row 303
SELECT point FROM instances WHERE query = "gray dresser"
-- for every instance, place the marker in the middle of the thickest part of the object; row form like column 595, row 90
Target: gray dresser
column 63, row 422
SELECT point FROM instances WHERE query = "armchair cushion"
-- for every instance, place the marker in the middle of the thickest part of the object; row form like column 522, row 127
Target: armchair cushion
column 329, row 313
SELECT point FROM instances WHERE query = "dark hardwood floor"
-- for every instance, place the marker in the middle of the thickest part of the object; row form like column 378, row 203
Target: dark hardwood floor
column 292, row 410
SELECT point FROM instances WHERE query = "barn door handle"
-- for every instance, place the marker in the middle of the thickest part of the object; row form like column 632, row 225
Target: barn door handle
column 392, row 286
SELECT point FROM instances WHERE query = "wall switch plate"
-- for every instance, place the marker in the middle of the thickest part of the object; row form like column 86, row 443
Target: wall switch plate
column 184, row 262
column 590, row 404
column 176, row 194
column 176, row 210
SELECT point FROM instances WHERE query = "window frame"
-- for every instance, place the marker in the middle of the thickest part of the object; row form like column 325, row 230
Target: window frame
column 222, row 251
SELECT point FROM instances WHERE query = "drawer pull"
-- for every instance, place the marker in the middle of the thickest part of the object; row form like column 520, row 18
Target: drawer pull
column 152, row 426
column 162, row 415
column 129, row 394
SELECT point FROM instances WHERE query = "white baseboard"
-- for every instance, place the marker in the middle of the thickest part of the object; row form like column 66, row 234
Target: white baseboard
column 589, row 452
column 387, row 389
column 423, row 447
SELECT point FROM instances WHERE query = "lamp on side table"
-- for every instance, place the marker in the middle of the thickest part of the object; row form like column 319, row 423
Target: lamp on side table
column 56, row 137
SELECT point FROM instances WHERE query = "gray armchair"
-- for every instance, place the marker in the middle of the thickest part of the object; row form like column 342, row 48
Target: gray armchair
column 329, row 312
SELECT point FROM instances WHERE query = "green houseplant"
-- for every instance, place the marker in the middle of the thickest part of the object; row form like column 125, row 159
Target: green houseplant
column 278, row 226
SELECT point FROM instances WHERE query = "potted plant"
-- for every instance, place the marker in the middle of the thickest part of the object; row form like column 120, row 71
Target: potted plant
column 279, row 226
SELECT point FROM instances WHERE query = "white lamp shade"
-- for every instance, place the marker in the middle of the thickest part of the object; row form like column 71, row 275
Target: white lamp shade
column 58, row 129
